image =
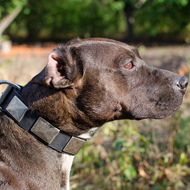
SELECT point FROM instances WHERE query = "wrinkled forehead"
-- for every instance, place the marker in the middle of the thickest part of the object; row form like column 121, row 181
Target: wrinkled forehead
column 102, row 52
column 102, row 43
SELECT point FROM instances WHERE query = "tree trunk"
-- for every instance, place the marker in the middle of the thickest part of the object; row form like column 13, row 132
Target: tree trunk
column 128, row 10
column 6, row 21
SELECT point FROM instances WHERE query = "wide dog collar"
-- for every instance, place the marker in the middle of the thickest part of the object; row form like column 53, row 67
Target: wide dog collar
column 41, row 129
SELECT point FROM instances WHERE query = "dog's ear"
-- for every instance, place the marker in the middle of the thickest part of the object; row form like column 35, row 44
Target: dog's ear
column 60, row 71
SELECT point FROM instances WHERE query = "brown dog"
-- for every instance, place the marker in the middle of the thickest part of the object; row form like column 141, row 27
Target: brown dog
column 84, row 85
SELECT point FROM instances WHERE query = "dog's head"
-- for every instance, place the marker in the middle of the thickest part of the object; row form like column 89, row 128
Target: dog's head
column 103, row 80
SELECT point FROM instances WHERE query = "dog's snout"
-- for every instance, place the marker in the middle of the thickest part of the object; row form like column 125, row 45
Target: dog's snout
column 182, row 83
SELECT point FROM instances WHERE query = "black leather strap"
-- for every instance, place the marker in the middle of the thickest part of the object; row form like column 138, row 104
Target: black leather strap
column 60, row 141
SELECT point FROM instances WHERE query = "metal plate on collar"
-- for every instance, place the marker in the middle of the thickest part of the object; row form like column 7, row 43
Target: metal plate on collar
column 74, row 145
column 17, row 108
column 44, row 130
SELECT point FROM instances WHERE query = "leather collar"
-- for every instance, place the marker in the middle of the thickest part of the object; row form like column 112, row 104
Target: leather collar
column 40, row 128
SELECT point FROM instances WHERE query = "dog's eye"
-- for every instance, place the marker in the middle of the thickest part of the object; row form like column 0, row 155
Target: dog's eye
column 129, row 65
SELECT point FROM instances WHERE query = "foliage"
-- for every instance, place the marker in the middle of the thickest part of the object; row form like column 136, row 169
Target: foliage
column 112, row 144
column 8, row 12
column 163, row 17
column 63, row 19
column 106, row 18
column 7, row 6
column 126, row 158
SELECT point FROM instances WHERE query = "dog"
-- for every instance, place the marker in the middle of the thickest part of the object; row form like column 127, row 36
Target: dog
column 85, row 84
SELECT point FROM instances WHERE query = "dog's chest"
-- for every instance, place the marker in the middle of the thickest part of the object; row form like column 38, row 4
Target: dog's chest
column 67, row 161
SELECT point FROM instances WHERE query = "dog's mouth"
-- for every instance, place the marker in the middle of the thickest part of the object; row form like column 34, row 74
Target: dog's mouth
column 157, row 108
column 162, row 110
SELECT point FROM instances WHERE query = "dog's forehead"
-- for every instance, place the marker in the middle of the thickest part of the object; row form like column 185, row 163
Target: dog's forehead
column 104, row 43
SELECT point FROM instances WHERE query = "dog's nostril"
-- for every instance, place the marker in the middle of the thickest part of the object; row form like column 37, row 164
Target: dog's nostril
column 183, row 82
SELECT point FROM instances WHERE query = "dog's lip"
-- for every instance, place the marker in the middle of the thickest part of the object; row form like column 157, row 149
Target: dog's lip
column 163, row 106
column 159, row 114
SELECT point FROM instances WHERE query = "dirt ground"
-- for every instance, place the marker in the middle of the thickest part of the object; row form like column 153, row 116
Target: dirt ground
column 23, row 62
column 173, row 58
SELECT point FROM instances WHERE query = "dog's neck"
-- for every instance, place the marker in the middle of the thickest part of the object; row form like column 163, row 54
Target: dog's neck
column 62, row 113
column 57, row 108
column 66, row 159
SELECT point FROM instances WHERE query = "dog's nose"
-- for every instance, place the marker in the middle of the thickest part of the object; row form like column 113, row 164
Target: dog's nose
column 182, row 84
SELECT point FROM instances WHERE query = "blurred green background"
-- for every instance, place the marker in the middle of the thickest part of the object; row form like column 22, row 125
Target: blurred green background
column 121, row 19
column 134, row 155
